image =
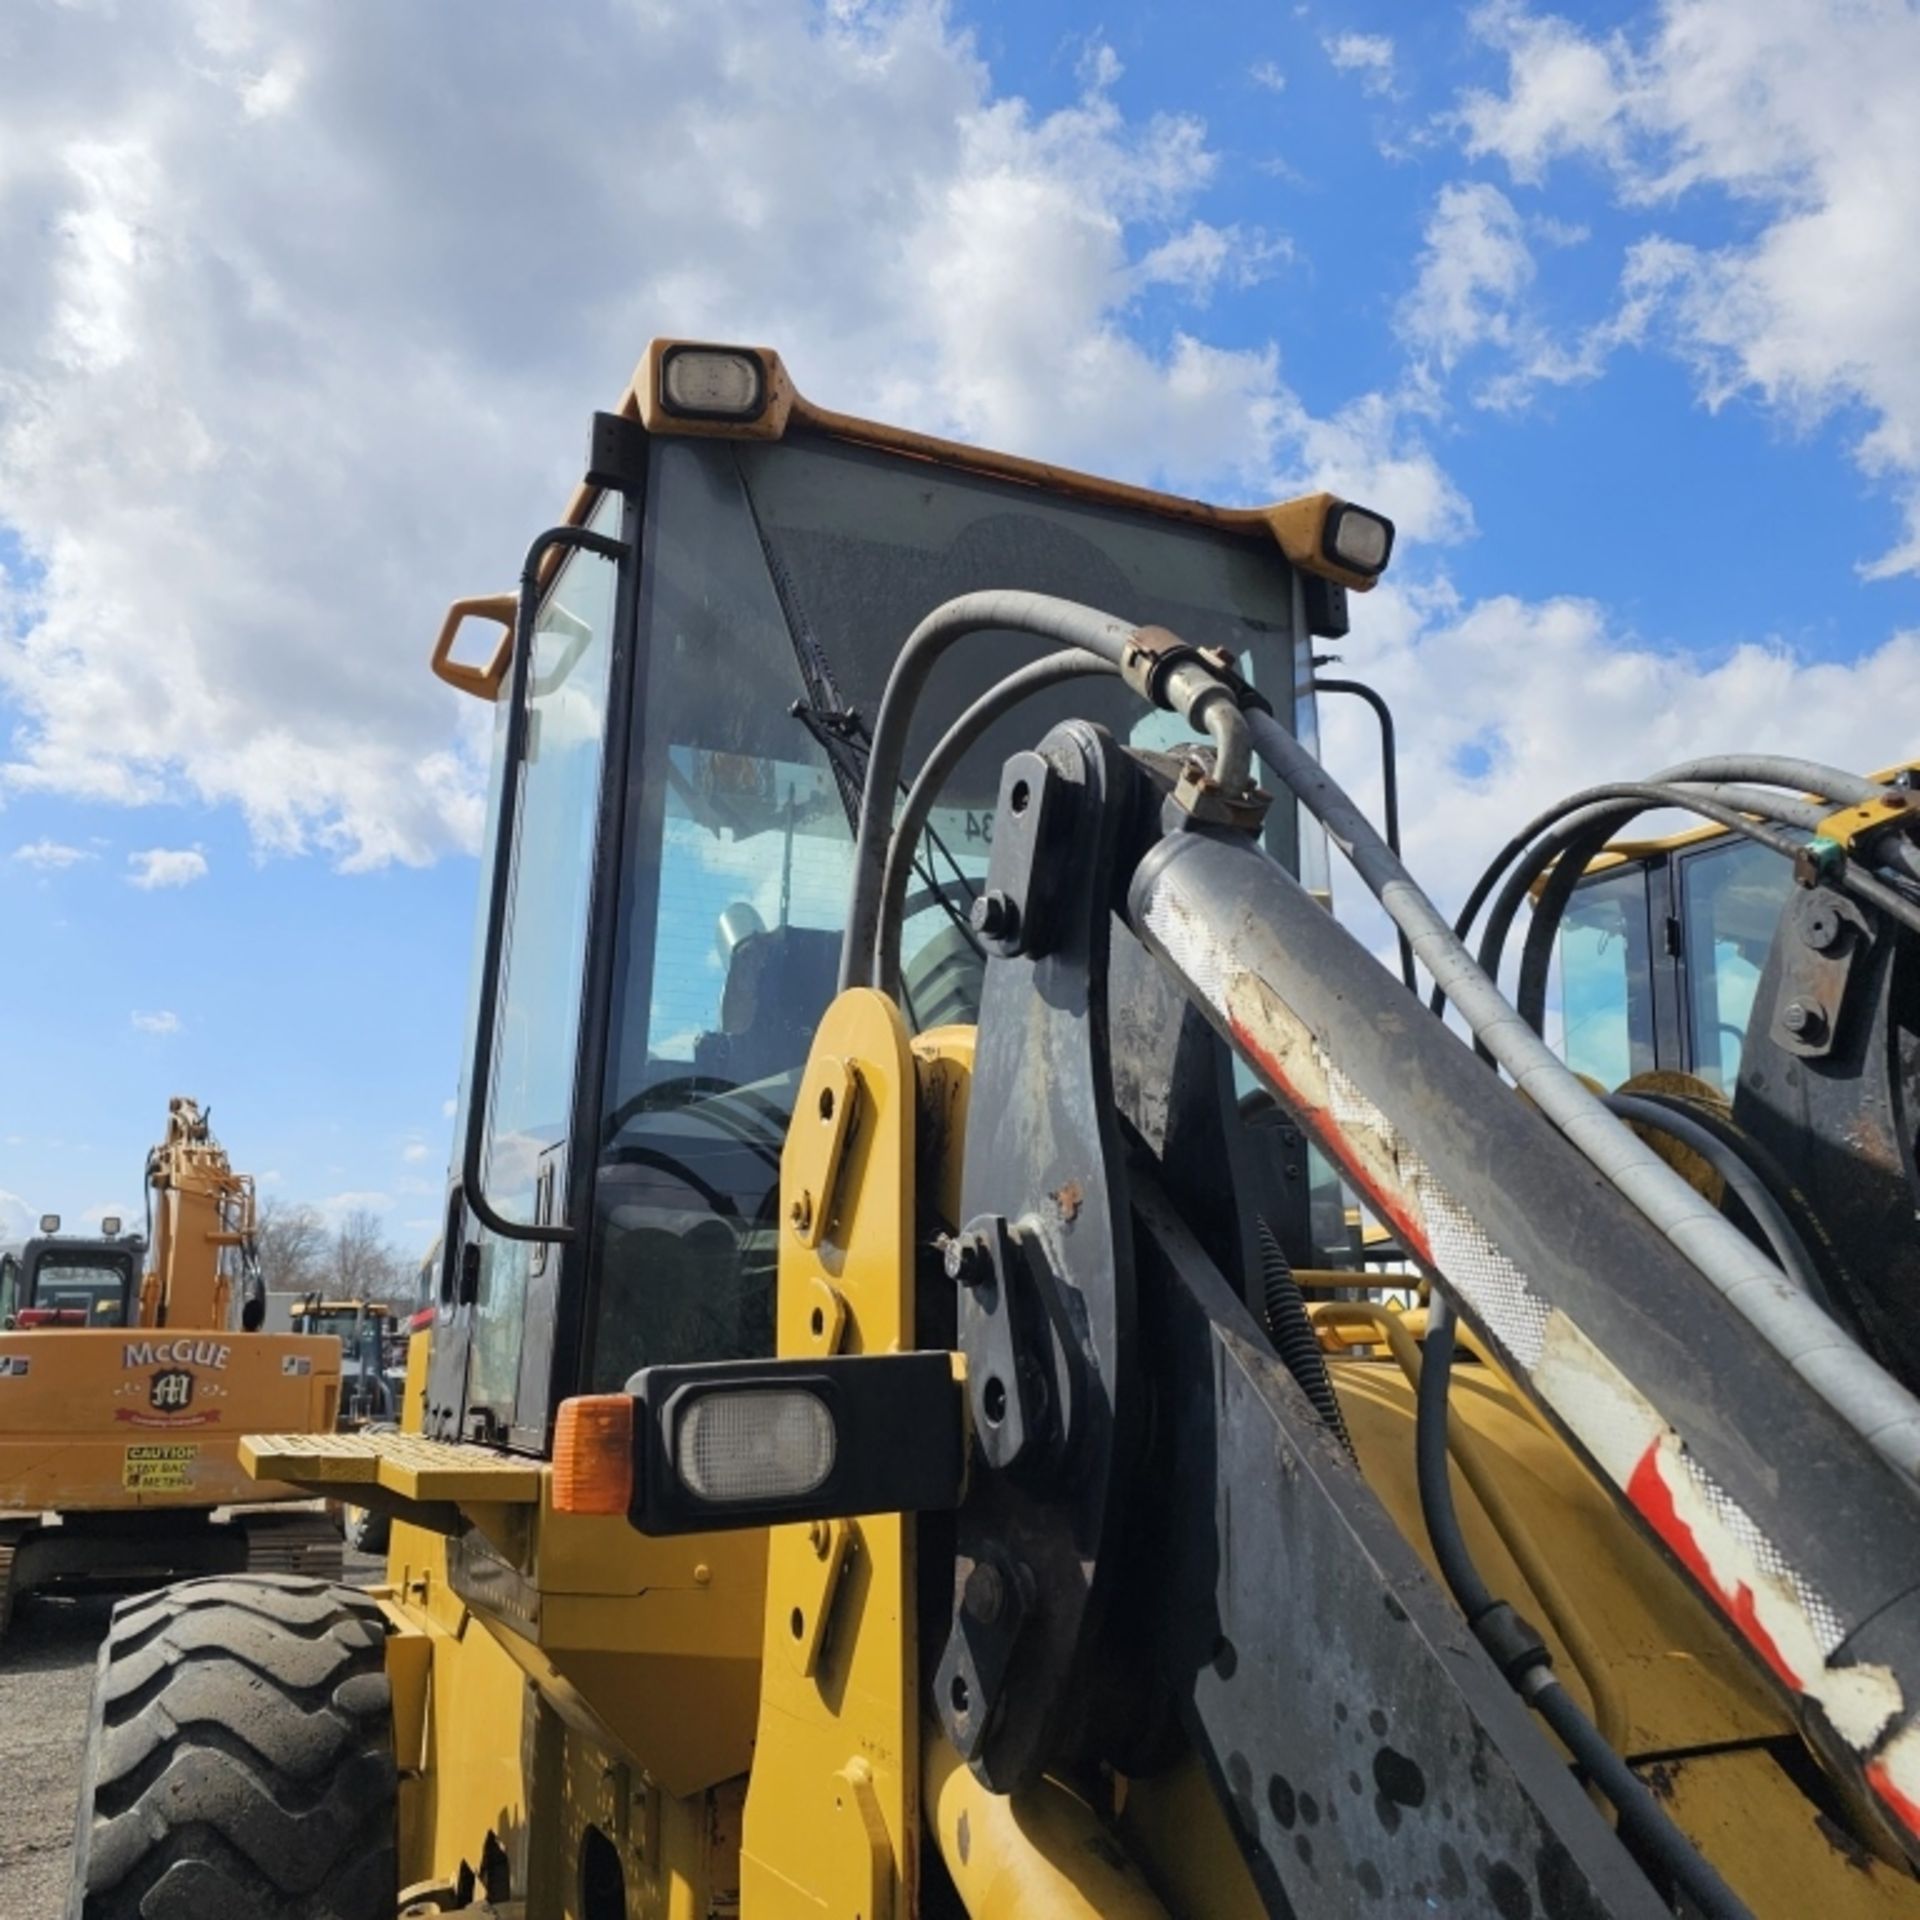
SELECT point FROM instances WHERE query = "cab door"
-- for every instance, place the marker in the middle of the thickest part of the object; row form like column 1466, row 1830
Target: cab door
column 516, row 1205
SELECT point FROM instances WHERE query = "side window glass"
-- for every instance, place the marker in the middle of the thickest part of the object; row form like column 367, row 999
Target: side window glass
column 542, row 968
column 1606, row 979
column 1731, row 901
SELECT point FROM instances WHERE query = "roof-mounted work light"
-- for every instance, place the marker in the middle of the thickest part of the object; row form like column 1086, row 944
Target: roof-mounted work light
column 49, row 1223
column 1356, row 538
column 712, row 383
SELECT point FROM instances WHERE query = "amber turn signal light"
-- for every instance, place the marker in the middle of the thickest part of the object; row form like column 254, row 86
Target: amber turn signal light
column 593, row 1454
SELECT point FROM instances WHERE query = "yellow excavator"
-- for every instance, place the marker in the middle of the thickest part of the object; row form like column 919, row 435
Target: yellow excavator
column 907, row 1427
column 129, row 1372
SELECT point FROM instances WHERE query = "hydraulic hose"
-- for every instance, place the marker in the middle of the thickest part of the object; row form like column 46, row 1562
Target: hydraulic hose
column 1065, row 621
column 1721, row 777
column 1516, row 1649
column 1609, row 1708
column 1284, row 1309
column 1069, row 664
column 1768, row 1214
column 1873, row 1405
column 1190, row 689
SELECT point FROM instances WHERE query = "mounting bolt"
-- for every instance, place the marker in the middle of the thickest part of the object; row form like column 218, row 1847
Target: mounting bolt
column 968, row 1261
column 1804, row 1021
column 995, row 915
column 985, row 1593
column 801, row 1212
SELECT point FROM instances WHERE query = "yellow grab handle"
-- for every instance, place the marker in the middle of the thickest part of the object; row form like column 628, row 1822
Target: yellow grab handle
column 482, row 682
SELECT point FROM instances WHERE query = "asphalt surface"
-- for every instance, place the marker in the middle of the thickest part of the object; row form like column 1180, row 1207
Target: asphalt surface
column 46, row 1677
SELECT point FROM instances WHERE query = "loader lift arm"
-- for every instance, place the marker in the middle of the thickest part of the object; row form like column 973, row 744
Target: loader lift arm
column 1777, row 1477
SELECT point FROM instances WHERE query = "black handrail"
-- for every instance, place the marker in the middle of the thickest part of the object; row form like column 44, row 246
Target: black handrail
column 1389, row 786
column 486, row 1012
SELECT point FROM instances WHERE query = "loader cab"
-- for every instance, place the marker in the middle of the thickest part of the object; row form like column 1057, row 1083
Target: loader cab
column 74, row 1282
column 1662, row 949
column 678, row 755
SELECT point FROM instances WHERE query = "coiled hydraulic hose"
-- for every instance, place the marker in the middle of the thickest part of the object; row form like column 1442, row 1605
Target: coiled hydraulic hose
column 1859, row 1391
column 1516, row 1649
column 1284, row 1309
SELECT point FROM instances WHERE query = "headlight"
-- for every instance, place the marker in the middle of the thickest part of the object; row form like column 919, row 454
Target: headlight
column 767, row 1443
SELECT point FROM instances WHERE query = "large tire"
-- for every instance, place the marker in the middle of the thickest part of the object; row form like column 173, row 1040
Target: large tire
column 239, row 1760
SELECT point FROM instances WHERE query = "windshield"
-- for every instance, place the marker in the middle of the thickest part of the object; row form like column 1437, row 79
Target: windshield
column 778, row 582
column 343, row 1326
column 93, row 1285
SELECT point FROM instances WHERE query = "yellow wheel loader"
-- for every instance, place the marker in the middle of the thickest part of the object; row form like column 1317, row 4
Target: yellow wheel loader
column 129, row 1373
column 906, row 1428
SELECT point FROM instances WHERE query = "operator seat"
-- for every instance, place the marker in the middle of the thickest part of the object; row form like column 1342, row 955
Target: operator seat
column 779, row 981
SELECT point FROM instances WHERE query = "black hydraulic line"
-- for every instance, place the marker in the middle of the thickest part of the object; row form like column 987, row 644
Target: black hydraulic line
column 1389, row 788
column 1517, row 1650
column 1637, row 797
column 1284, row 1310
column 1747, row 1186
column 1050, row 670
column 1039, row 614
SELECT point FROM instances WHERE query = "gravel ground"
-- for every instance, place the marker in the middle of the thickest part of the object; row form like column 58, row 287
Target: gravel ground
column 46, row 1675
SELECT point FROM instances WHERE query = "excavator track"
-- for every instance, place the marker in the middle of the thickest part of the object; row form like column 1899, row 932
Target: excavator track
column 303, row 1543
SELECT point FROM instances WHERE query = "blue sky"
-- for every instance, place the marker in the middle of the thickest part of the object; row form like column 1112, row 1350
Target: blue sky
column 1612, row 308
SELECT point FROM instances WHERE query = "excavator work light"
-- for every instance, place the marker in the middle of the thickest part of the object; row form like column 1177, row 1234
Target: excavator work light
column 712, row 383
column 1355, row 538
column 49, row 1223
column 744, row 1443
column 109, row 1224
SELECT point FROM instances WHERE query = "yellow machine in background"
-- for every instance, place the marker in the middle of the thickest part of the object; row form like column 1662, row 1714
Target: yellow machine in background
column 128, row 1374
column 902, row 1431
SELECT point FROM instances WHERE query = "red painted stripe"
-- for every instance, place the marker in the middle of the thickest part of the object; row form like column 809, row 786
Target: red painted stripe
column 1882, row 1783
column 1649, row 1492
column 1331, row 1135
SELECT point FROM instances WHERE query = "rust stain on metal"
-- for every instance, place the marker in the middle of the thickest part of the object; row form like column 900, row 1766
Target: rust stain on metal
column 1067, row 1199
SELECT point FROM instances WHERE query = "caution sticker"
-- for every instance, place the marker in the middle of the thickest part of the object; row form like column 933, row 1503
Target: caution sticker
column 159, row 1469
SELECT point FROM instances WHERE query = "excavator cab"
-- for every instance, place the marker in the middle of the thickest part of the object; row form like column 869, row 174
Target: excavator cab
column 893, row 1437
column 74, row 1281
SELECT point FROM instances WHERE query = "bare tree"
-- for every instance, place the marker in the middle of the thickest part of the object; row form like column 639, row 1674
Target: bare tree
column 291, row 1241
column 362, row 1264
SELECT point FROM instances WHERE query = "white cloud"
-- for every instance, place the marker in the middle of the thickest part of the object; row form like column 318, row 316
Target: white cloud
column 161, row 1022
column 1566, row 93
column 158, row 867
column 448, row 1108
column 1266, row 74
column 415, row 1151
column 50, row 855
column 358, row 1200
column 18, row 1221
column 1801, row 117
column 1370, row 55
column 259, row 422
column 1475, row 268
